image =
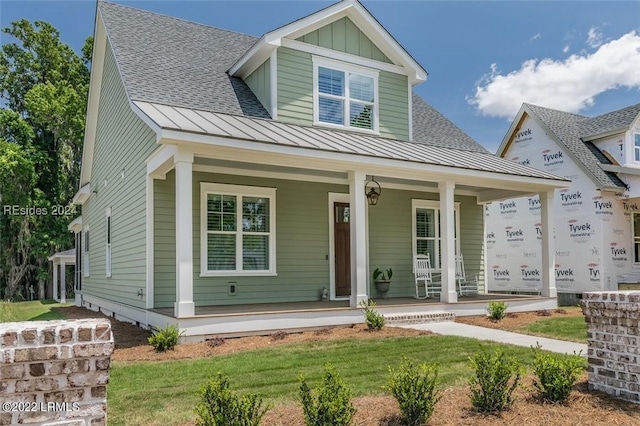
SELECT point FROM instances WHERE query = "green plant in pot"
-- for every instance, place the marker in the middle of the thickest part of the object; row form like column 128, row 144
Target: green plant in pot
column 383, row 281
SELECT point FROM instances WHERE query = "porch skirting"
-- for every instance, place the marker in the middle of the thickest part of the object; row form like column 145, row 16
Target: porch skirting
column 262, row 319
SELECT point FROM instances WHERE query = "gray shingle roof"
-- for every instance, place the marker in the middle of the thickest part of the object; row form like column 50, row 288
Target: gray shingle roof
column 609, row 122
column 566, row 126
column 174, row 62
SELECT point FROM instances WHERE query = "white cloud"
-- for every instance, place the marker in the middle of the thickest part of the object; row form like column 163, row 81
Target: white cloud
column 565, row 49
column 569, row 85
column 594, row 38
column 536, row 37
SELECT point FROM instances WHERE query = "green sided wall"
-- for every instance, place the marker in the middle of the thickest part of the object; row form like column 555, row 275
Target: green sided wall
column 344, row 36
column 390, row 237
column 302, row 245
column 302, row 242
column 118, row 180
column 295, row 94
column 259, row 83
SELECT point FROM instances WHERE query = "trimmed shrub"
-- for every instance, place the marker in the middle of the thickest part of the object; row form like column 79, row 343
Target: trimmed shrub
column 165, row 338
column 373, row 319
column 497, row 310
column 219, row 406
column 414, row 387
column 556, row 374
column 329, row 404
column 496, row 377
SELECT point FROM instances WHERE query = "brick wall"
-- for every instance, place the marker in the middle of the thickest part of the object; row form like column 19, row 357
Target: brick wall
column 614, row 342
column 55, row 373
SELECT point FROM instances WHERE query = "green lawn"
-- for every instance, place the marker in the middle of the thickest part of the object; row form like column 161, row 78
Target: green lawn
column 565, row 328
column 165, row 393
column 37, row 310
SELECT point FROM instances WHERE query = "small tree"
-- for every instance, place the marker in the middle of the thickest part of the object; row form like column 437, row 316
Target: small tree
column 414, row 387
column 329, row 404
column 219, row 406
column 556, row 374
column 496, row 377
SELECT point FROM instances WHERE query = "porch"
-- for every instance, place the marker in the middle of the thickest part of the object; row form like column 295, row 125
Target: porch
column 266, row 318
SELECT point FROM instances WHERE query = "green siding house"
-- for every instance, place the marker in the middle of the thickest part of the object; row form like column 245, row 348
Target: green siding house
column 224, row 176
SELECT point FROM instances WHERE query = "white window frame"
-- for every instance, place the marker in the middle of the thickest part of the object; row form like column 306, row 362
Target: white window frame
column 435, row 205
column 238, row 191
column 108, row 231
column 634, row 240
column 319, row 61
column 85, row 251
column 636, row 148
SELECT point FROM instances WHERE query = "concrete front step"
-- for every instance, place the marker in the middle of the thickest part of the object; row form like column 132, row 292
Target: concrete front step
column 419, row 318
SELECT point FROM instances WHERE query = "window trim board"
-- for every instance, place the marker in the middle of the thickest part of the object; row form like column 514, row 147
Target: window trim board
column 239, row 191
column 432, row 204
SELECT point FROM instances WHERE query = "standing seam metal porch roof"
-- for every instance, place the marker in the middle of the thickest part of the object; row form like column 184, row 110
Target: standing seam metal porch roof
column 315, row 138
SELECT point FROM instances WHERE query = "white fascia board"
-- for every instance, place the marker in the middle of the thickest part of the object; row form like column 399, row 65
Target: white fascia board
column 82, row 195
column 620, row 169
column 75, row 225
column 95, row 85
column 161, row 161
column 261, row 50
column 200, row 144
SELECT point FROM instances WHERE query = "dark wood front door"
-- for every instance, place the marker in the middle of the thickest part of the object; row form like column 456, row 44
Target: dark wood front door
column 342, row 238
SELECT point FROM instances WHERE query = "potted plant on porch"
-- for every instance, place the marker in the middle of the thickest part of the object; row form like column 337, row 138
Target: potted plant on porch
column 383, row 281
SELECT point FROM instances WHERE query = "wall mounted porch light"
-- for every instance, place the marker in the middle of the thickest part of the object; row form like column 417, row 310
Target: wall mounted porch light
column 373, row 190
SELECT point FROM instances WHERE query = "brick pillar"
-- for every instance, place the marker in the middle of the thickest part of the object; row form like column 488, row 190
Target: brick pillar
column 613, row 337
column 55, row 373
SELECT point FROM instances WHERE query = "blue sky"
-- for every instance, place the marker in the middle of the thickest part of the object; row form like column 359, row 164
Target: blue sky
column 484, row 58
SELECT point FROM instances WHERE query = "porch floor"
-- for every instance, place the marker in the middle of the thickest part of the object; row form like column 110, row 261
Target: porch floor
column 335, row 305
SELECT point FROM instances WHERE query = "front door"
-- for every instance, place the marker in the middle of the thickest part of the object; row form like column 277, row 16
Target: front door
column 342, row 249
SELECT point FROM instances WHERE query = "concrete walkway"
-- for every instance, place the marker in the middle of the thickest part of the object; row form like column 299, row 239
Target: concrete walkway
column 500, row 336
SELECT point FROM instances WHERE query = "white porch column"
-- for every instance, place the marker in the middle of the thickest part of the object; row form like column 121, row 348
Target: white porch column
column 63, row 282
column 55, row 279
column 447, row 242
column 358, row 229
column 548, row 246
column 184, row 306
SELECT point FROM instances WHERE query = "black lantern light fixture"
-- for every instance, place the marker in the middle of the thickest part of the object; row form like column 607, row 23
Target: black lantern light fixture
column 373, row 190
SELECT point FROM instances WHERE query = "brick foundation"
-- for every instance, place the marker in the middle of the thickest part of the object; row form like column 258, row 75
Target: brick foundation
column 613, row 337
column 55, row 373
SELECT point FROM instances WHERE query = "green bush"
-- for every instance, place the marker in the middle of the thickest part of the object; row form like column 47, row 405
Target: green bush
column 219, row 406
column 496, row 377
column 497, row 310
column 414, row 387
column 330, row 402
column 373, row 319
column 166, row 338
column 556, row 374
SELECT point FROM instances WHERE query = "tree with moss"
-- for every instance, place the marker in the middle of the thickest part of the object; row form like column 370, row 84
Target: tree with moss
column 43, row 97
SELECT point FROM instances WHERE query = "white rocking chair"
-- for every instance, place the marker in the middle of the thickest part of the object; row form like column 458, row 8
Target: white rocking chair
column 425, row 286
column 465, row 286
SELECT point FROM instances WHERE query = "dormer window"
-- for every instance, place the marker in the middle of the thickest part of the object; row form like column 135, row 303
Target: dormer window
column 345, row 96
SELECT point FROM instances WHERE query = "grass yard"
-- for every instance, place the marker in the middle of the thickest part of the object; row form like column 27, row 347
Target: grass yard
column 566, row 323
column 37, row 310
column 165, row 393
column 564, row 328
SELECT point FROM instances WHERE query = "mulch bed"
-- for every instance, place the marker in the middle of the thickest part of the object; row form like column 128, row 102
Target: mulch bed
column 517, row 320
column 454, row 408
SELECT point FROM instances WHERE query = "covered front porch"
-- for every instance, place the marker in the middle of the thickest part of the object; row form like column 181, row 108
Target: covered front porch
column 266, row 318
